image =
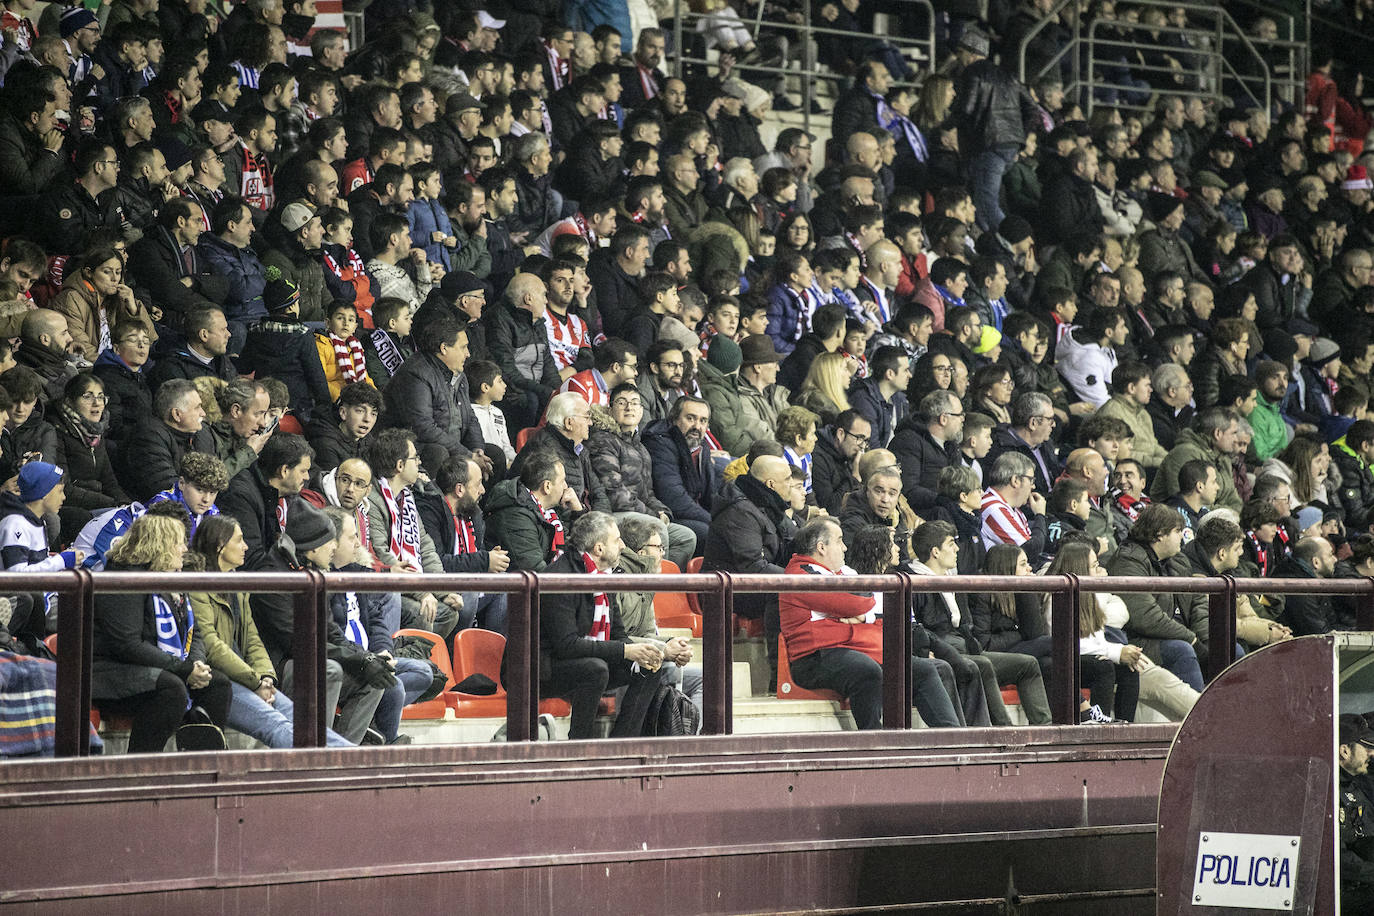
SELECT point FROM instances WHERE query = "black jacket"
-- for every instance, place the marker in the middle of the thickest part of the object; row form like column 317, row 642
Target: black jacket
column 285, row 351
column 274, row 614
column 1275, row 301
column 565, row 622
column 1157, row 617
column 1166, row 424
column 520, row 346
column 26, row 167
column 126, row 659
column 831, row 475
column 150, row 460
column 617, row 293
column 155, row 263
column 252, row 501
column 333, row 446
column 539, row 204
column 130, row 398
column 1306, row 615
column 577, row 467
column 991, row 108
column 516, row 523
column 1356, row 493
column 426, row 398
column 750, row 533
column 684, row 484
column 437, row 518
column 997, row 632
column 969, row 526
column 856, row 109
column 63, row 217
column 1070, row 209
column 1004, row 440
column 922, row 459
column 794, row 367
column 929, row 610
column 858, row 514
column 90, row 478
column 183, row 365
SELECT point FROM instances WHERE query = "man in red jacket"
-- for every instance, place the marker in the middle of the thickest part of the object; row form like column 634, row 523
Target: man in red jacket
column 834, row 640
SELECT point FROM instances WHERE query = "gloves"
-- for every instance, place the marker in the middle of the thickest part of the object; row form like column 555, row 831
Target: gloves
column 376, row 672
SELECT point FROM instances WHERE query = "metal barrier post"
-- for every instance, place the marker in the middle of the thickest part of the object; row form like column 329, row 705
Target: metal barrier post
column 678, row 54
column 1065, row 698
column 718, row 650
column 897, row 654
column 1221, row 629
column 75, row 621
column 308, row 638
column 522, row 662
column 1364, row 608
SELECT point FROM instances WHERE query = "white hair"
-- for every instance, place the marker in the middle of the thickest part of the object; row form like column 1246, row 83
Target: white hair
column 562, row 406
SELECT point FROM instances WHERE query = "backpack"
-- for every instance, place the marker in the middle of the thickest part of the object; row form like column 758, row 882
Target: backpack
column 671, row 713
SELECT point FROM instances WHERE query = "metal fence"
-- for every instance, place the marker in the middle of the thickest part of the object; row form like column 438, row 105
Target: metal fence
column 76, row 592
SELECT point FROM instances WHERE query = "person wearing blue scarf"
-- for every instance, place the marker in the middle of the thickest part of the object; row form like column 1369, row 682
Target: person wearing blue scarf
column 949, row 276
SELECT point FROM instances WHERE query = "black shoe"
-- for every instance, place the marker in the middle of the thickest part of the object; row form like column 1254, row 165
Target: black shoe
column 817, row 108
column 783, row 103
column 372, row 737
column 401, row 739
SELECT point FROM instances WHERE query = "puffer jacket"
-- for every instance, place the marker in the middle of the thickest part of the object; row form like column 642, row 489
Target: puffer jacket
column 425, row 397
column 285, row 350
column 515, row 523
column 130, row 397
column 686, row 484
column 750, row 533
column 623, row 464
column 520, row 346
column 991, row 108
column 244, row 272
column 922, row 459
column 427, row 217
column 758, row 414
column 578, row 470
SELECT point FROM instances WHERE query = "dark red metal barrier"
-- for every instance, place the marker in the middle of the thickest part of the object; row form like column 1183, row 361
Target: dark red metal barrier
column 76, row 592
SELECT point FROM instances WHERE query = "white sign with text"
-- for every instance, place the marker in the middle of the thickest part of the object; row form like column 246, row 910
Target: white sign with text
column 1252, row 870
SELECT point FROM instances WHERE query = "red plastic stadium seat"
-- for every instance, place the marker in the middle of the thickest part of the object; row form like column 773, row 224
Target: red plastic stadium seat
column 435, row 708
column 524, row 436
column 290, row 424
column 671, row 609
column 748, row 626
column 479, row 652
column 788, row 689
column 693, row 602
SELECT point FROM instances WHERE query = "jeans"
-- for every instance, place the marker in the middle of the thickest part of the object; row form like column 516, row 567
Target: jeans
column 859, row 679
column 270, row 723
column 488, row 610
column 413, row 677
column 1180, row 658
column 974, row 704
column 985, row 173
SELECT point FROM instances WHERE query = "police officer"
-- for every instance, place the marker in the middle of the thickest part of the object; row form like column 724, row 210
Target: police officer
column 1353, row 815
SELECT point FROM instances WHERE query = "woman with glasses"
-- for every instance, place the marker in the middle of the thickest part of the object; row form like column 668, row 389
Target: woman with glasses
column 95, row 298
column 119, row 368
column 992, row 392
column 80, row 420
column 930, row 372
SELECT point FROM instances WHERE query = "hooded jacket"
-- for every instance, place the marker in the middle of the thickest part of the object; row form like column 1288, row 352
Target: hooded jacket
column 516, row 523
column 750, row 533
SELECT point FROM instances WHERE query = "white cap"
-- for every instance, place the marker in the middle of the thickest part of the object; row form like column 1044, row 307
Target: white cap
column 487, row 21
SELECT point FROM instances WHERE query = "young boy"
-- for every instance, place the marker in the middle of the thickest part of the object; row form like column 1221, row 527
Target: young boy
column 659, row 290
column 976, row 441
column 959, row 501
column 430, row 227
column 722, row 318
column 1104, row 435
column 389, row 344
column 1067, row 508
column 837, row 274
column 753, row 317
column 345, row 272
column 22, row 531
column 856, row 335
column 486, row 386
column 1062, row 305
column 341, row 353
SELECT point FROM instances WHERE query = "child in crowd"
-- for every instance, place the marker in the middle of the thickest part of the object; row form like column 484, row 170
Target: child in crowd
column 1067, row 509
column 341, row 353
column 721, row 318
column 855, row 346
column 486, row 387
column 388, row 345
column 345, row 272
column 430, row 227
column 753, row 317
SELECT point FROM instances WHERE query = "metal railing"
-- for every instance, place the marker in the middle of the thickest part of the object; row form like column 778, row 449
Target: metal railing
column 804, row 32
column 76, row 592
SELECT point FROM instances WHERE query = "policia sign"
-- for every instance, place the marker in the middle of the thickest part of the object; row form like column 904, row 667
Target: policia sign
column 1250, row 870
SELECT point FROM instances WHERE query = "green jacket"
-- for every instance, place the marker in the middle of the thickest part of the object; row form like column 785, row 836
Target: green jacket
column 232, row 644
column 1191, row 446
column 231, row 448
column 1271, row 433
column 722, row 393
column 636, row 609
column 1145, row 448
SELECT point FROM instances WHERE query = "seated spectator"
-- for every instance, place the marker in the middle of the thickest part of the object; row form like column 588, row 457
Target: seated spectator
column 959, row 501
column 46, row 349
column 622, row 462
column 1167, row 626
column 368, row 620
column 398, row 537
column 881, row 398
column 1009, row 488
column 148, row 654
column 452, row 516
column 1308, row 615
column 789, row 301
column 120, row 369
column 946, row 616
column 80, row 425
column 523, row 512
column 390, row 343
column 663, row 383
column 95, row 297
column 40, row 492
column 227, row 252
column 283, row 345
column 1011, row 622
column 616, row 363
column 823, row 391
column 487, row 386
column 29, row 435
column 834, row 469
column 233, row 648
column 926, row 443
column 683, row 471
column 1353, row 455
column 206, row 351
column 834, row 640
column 344, row 432
column 796, row 430
column 354, row 680
column 263, row 495
column 583, row 646
column 166, row 258
column 565, row 433
column 1086, row 357
column 429, row 395
column 643, row 553
column 880, row 502
column 519, row 345
column 1217, row 551
column 390, row 236
column 1213, row 440
column 1132, row 391
column 297, row 236
column 151, row 457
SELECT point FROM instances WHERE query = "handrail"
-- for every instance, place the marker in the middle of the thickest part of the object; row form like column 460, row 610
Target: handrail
column 76, row 592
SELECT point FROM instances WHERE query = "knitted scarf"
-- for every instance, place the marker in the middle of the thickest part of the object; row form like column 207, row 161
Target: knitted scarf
column 1263, row 558
column 355, row 261
column 169, row 636
column 405, row 523
column 89, row 433
column 357, row 633
column 552, row 518
column 349, row 355
column 601, row 618
column 387, row 351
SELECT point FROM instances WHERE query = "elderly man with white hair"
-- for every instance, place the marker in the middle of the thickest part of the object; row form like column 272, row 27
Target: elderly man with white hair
column 567, row 426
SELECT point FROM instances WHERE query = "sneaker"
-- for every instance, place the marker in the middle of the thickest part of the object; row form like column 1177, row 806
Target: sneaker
column 401, row 739
column 372, row 737
column 1094, row 715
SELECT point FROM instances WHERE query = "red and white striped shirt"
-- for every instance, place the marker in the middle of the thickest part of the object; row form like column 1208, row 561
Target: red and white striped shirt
column 590, row 386
column 1001, row 523
column 567, row 336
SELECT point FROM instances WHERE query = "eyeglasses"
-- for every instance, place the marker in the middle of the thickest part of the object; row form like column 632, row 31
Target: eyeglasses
column 862, row 440
column 1050, row 419
column 410, row 458
column 624, row 404
column 956, row 415
column 92, row 397
column 942, row 369
column 658, row 547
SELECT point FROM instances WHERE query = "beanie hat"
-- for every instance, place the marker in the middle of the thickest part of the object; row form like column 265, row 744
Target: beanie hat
column 1280, row 346
column 175, row 152
column 1014, row 229
column 1161, row 205
column 1323, row 351
column 280, row 293
column 308, row 527
column 724, row 354
column 459, row 283
column 991, row 338
column 295, row 215
column 36, row 480
column 74, row 20
column 1307, row 517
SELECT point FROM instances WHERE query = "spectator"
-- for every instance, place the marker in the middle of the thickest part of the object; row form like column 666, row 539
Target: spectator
column 1353, row 455
column 926, row 443
column 684, row 474
column 150, row 459
column 120, row 369
column 834, row 468
column 881, row 503
column 1213, row 440
column 1030, row 434
column 1132, row 391
column 80, row 421
column 453, row 519
column 227, row 252
column 1010, row 485
column 523, row 516
column 167, row 256
column 992, row 111
column 263, row 495
column 519, row 346
column 46, row 349
column 429, row 395
column 206, row 352
column 881, row 398
column 345, row 433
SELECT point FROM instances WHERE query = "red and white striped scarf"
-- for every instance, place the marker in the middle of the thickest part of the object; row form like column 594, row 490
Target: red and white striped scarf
column 567, row 335
column 552, row 518
column 355, row 261
column 349, row 355
column 646, row 81
column 558, row 68
column 585, row 228
column 405, row 524
column 281, row 514
column 256, row 186
column 601, row 618
column 464, row 536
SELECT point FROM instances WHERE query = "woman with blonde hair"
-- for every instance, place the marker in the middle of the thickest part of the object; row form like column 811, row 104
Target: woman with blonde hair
column 824, row 390
column 149, row 655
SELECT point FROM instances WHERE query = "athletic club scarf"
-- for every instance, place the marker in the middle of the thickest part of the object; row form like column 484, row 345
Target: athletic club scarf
column 639, row 217
column 387, row 351
column 357, row 633
column 601, row 617
column 950, row 298
column 464, row 536
column 256, row 186
column 552, row 518
column 859, row 248
column 879, row 298
column 1262, row 555
column 558, row 68
column 355, row 261
column 169, row 638
column 405, row 524
column 281, row 514
column 586, row 230
column 349, row 355
column 646, row 81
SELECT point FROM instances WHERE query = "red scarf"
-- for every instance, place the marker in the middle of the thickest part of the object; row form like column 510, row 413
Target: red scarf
column 601, row 618
column 355, row 261
column 405, row 524
column 256, row 185
column 558, row 68
column 646, row 81
column 173, row 105
column 349, row 355
column 464, row 536
column 580, row 222
column 552, row 518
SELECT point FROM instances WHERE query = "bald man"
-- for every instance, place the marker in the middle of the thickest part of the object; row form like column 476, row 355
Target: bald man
column 878, row 285
column 751, row 532
column 47, row 349
column 517, row 342
column 1087, row 466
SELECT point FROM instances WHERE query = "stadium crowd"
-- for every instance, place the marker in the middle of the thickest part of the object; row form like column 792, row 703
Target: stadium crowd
column 491, row 294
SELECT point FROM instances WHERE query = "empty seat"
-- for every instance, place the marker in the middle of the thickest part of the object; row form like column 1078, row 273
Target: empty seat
column 438, row 654
column 478, row 651
column 524, row 436
column 671, row 609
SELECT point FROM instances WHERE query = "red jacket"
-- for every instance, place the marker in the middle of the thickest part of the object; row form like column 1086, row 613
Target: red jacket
column 811, row 620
